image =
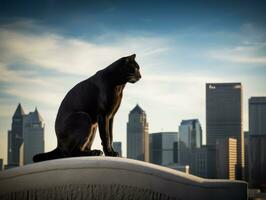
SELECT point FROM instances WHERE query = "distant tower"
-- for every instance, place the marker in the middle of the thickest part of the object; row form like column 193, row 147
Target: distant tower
column 257, row 116
column 15, row 136
column 224, row 117
column 118, row 147
column 257, row 143
column 137, row 135
column 190, row 137
column 1, row 164
column 33, row 139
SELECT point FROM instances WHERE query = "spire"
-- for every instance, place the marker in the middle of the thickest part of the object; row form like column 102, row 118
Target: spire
column 36, row 117
column 19, row 111
column 137, row 109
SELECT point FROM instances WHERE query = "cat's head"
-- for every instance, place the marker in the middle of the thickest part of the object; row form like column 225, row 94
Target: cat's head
column 131, row 69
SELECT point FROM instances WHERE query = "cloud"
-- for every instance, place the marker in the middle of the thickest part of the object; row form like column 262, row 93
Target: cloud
column 231, row 56
column 29, row 44
column 246, row 53
column 69, row 55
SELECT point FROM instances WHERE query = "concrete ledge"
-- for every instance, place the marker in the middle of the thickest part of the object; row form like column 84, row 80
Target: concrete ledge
column 111, row 178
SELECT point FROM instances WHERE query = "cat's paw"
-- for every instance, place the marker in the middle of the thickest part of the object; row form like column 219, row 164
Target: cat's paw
column 96, row 152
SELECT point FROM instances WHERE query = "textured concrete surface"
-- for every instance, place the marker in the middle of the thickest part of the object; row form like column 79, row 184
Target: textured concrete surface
column 111, row 178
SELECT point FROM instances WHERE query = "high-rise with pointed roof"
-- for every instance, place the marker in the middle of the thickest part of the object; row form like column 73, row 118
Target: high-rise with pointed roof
column 33, row 137
column 15, row 136
column 137, row 135
column 26, row 137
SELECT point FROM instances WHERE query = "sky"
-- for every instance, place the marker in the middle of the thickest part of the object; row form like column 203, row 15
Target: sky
column 46, row 47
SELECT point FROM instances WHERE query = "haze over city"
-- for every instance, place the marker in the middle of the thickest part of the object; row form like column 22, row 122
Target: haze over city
column 48, row 47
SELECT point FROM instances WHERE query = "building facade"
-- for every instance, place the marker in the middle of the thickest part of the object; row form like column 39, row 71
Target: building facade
column 138, row 135
column 190, row 138
column 257, row 143
column 257, row 162
column 224, row 117
column 226, row 158
column 1, row 164
column 118, row 147
column 246, row 142
column 257, row 115
column 15, row 137
column 33, row 137
column 163, row 148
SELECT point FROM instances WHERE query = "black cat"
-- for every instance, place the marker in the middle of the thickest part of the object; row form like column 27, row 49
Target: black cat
column 90, row 104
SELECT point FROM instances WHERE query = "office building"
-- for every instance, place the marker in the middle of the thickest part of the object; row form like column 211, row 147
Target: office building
column 224, row 117
column 246, row 142
column 137, row 135
column 1, row 164
column 257, row 143
column 257, row 161
column 190, row 137
column 163, row 148
column 203, row 162
column 15, row 137
column 33, row 137
column 26, row 137
column 257, row 115
column 118, row 147
column 226, row 158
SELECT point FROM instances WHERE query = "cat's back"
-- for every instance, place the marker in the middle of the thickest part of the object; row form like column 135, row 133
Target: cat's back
column 80, row 97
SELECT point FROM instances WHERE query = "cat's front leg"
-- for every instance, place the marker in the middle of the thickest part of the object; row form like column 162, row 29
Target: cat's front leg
column 114, row 153
column 104, row 126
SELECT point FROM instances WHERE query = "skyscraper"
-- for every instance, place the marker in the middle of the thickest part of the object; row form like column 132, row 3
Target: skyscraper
column 1, row 164
column 15, row 136
column 257, row 142
column 33, row 136
column 190, row 137
column 257, row 115
column 246, row 142
column 137, row 135
column 226, row 161
column 26, row 137
column 257, row 162
column 118, row 147
column 224, row 117
column 163, row 148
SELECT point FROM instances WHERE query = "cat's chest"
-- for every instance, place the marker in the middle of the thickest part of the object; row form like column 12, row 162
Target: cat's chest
column 113, row 99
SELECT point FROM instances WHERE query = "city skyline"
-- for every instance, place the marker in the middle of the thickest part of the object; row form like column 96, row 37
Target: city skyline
column 48, row 47
column 3, row 154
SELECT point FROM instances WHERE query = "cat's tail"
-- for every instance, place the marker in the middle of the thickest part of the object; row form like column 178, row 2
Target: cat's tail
column 56, row 153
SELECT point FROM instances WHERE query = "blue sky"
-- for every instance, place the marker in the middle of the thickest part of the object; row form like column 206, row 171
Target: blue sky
column 47, row 47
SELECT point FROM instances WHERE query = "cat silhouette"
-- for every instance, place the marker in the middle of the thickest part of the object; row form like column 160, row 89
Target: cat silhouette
column 89, row 105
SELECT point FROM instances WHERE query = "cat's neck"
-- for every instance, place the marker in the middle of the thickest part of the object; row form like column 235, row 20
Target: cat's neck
column 112, row 76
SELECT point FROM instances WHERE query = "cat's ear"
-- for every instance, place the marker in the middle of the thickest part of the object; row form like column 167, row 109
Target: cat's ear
column 133, row 56
column 130, row 58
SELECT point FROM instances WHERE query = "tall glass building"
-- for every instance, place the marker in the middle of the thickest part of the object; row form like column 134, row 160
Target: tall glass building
column 257, row 115
column 190, row 137
column 257, row 142
column 224, row 117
